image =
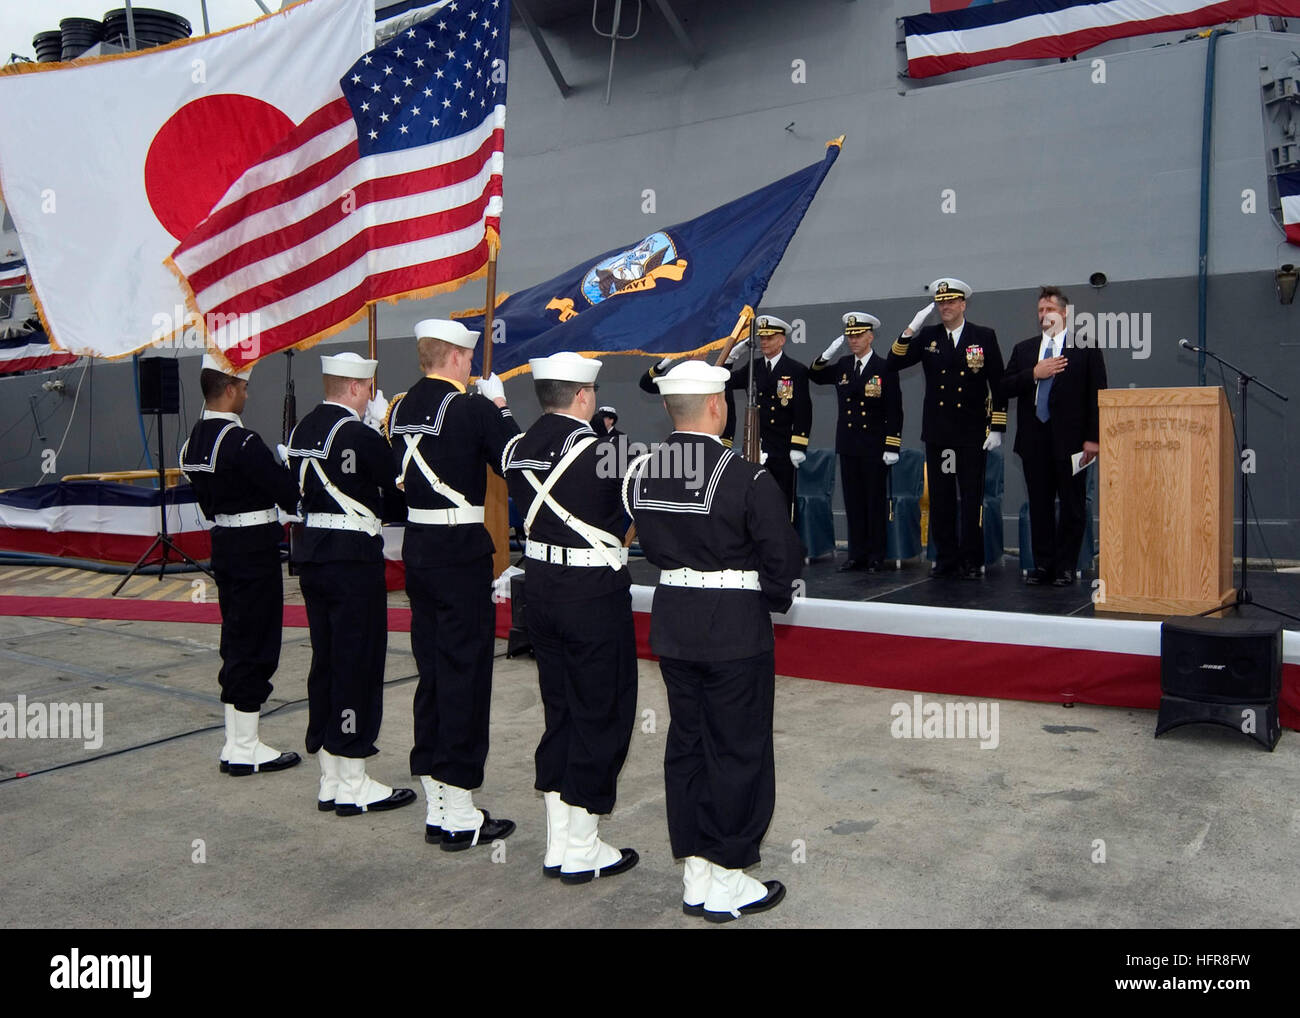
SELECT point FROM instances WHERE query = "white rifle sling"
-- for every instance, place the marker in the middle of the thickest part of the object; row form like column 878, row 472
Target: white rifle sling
column 440, row 486
column 601, row 541
column 352, row 509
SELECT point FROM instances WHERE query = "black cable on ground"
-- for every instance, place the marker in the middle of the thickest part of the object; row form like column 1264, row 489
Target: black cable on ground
column 167, row 738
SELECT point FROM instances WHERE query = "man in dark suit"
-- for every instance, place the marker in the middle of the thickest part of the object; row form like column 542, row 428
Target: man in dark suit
column 784, row 404
column 964, row 417
column 1056, row 383
column 867, row 437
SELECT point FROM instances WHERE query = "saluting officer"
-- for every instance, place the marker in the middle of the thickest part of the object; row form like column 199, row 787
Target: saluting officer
column 238, row 484
column 868, row 435
column 443, row 437
column 566, row 483
column 784, row 405
column 964, row 417
column 648, row 384
column 345, row 475
column 721, row 535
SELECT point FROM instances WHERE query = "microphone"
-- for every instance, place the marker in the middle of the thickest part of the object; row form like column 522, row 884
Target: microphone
column 1188, row 346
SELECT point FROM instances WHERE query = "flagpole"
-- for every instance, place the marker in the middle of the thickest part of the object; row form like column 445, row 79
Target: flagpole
column 372, row 320
column 496, row 509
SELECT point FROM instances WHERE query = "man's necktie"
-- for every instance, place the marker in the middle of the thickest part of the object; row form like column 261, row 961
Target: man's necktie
column 857, row 369
column 953, row 340
column 1044, row 390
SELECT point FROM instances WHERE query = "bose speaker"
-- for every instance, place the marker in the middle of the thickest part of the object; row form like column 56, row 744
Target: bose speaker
column 1221, row 671
column 160, row 386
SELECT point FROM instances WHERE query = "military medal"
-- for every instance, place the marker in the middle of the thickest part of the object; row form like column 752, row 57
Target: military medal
column 974, row 357
column 872, row 388
column 785, row 390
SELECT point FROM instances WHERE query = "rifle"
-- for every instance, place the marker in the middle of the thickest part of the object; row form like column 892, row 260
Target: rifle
column 752, row 447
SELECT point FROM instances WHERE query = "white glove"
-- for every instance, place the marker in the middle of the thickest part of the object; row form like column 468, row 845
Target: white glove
column 491, row 387
column 762, row 458
column 282, row 454
column 737, row 352
column 830, row 350
column 993, row 441
column 920, row 317
column 375, row 411
column 501, row 585
column 797, row 458
column 659, row 368
column 890, row 458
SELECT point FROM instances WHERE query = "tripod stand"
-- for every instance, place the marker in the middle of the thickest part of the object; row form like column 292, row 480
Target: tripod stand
column 1244, row 379
column 161, row 543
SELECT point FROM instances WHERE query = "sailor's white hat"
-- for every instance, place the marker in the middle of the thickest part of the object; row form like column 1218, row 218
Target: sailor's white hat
column 565, row 367
column 211, row 363
column 446, row 330
column 348, row 365
column 692, row 378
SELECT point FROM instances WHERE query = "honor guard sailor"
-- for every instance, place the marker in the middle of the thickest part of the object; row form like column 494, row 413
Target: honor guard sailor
column 345, row 475
column 579, row 614
column 868, row 434
column 238, row 485
column 964, row 417
column 722, row 537
column 784, row 405
column 444, row 437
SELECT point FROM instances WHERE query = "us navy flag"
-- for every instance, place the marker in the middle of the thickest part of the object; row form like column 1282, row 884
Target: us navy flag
column 682, row 289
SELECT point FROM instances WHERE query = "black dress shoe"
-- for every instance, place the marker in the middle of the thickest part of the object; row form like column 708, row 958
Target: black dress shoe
column 1063, row 579
column 325, row 805
column 282, row 762
column 939, row 572
column 458, row 841
column 852, row 565
column 400, row 797
column 695, row 910
column 775, row 892
column 1036, row 577
column 971, row 573
column 874, row 567
column 630, row 859
column 433, row 834
column 550, row 871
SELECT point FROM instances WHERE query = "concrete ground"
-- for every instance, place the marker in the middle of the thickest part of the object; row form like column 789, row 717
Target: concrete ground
column 1078, row 818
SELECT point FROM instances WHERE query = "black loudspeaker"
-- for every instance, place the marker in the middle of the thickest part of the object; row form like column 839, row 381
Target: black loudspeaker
column 1223, row 672
column 160, row 386
column 518, row 643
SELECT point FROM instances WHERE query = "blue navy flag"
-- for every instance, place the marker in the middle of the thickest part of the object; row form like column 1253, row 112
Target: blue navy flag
column 683, row 289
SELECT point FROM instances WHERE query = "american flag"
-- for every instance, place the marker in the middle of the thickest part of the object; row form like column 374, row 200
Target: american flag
column 391, row 190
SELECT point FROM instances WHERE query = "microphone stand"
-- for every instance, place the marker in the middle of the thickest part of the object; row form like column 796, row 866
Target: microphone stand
column 1244, row 379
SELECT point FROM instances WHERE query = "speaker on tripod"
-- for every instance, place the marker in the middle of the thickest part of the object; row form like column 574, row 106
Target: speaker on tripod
column 160, row 393
column 1221, row 672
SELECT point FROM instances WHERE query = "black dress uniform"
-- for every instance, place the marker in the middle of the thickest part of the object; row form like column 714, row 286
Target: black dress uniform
column 715, row 644
column 1047, row 437
column 579, row 615
column 870, row 424
column 447, row 552
column 784, row 414
column 647, row 384
column 238, row 484
column 963, row 403
column 341, row 566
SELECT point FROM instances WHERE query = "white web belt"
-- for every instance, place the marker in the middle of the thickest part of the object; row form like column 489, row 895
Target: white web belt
column 251, row 519
column 719, row 579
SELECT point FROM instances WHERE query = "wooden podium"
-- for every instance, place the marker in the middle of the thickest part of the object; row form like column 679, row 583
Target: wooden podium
column 1167, row 465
